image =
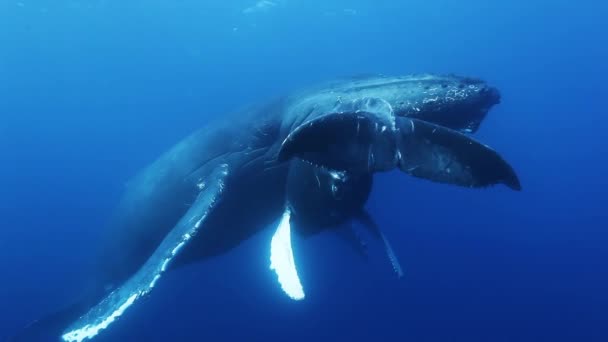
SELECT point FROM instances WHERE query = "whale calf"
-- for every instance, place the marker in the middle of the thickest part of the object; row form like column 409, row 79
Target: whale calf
column 303, row 163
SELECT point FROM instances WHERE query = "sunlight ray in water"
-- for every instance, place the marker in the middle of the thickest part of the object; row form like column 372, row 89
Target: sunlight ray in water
column 282, row 260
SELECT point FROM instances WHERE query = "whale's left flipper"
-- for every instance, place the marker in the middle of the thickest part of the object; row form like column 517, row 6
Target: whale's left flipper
column 282, row 261
column 141, row 283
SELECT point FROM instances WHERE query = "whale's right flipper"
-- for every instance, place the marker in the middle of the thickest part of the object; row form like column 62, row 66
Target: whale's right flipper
column 371, row 225
column 50, row 327
column 370, row 139
column 105, row 308
column 144, row 280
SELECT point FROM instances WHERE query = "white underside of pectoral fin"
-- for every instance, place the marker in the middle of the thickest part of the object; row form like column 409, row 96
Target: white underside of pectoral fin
column 103, row 314
column 282, row 261
column 391, row 256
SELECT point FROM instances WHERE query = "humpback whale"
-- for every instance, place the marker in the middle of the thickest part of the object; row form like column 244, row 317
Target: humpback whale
column 303, row 163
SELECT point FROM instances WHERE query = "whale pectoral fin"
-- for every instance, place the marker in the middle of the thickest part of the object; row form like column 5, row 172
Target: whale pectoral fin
column 371, row 225
column 103, row 314
column 370, row 139
column 351, row 236
column 444, row 155
column 282, row 261
column 357, row 137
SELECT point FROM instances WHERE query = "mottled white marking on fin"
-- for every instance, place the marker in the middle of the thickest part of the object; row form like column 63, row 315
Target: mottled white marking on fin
column 143, row 281
column 391, row 256
column 282, row 261
column 371, row 225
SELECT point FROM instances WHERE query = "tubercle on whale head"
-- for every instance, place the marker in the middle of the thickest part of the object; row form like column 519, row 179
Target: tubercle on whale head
column 456, row 102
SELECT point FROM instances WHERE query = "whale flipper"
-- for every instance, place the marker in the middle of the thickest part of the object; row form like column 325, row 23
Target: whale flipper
column 349, row 234
column 50, row 327
column 365, row 142
column 143, row 281
column 359, row 138
column 369, row 223
column 444, row 155
column 282, row 261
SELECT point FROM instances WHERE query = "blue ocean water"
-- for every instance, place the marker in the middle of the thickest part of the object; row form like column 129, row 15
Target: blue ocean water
column 92, row 91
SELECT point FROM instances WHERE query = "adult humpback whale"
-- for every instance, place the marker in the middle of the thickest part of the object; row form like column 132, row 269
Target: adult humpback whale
column 306, row 159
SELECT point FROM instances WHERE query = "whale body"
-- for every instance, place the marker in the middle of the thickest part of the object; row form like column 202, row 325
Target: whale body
column 306, row 159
